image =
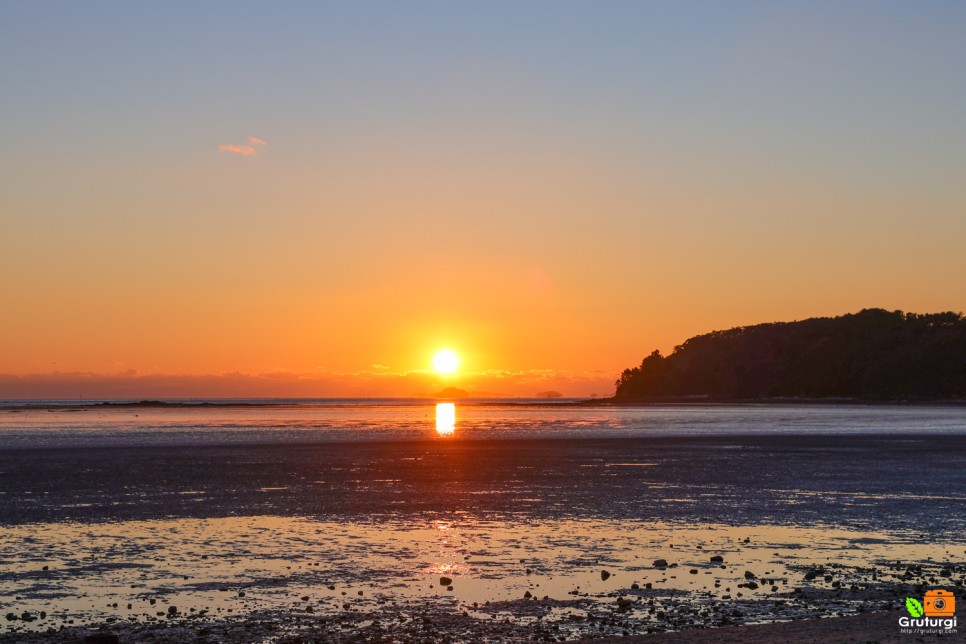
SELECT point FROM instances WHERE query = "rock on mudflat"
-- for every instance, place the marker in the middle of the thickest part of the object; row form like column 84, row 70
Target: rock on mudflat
column 749, row 574
column 604, row 575
column 660, row 563
column 717, row 559
column 102, row 638
column 445, row 581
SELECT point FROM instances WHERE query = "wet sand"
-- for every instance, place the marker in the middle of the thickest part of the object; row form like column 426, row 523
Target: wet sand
column 915, row 482
column 834, row 526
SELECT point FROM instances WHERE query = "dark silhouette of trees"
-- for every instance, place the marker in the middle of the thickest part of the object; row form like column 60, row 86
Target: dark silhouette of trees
column 873, row 354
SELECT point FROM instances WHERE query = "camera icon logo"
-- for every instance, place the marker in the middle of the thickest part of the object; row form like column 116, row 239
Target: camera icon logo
column 939, row 603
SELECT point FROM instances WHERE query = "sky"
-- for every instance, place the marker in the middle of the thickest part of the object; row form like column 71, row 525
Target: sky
column 311, row 198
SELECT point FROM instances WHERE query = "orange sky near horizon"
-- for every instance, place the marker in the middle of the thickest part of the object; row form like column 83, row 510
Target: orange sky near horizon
column 270, row 223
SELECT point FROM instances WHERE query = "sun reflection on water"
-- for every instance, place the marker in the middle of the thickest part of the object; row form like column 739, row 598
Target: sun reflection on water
column 445, row 419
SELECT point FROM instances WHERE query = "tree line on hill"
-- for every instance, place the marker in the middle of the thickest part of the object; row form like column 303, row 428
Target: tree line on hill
column 870, row 355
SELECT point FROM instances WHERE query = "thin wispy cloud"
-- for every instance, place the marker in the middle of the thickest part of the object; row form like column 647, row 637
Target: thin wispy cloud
column 243, row 149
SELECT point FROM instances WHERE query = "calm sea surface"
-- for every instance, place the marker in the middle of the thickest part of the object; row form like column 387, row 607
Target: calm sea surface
column 317, row 421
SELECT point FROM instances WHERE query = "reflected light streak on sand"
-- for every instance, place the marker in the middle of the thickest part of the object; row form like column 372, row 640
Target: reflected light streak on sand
column 445, row 419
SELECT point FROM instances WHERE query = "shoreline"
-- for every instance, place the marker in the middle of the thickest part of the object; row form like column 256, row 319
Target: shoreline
column 879, row 627
column 329, row 403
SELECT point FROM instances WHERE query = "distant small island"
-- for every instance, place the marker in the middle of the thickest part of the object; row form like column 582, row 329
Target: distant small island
column 874, row 355
column 549, row 394
column 452, row 392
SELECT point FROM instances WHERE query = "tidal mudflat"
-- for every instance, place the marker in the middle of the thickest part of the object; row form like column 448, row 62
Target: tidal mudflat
column 468, row 539
column 577, row 578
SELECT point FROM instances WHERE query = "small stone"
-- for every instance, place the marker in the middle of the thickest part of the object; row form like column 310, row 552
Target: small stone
column 241, row 593
column 751, row 585
column 172, row 610
column 810, row 575
column 604, row 575
column 330, row 587
column 46, row 568
column 527, row 595
column 693, row 571
column 153, row 601
column 717, row 559
column 749, row 574
column 445, row 581
column 634, row 586
column 660, row 563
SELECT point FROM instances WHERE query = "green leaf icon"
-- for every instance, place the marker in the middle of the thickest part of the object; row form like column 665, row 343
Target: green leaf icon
column 914, row 607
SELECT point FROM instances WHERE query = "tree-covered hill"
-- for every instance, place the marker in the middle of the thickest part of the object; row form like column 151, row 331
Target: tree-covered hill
column 873, row 354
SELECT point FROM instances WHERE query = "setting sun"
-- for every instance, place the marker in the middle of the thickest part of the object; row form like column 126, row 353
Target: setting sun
column 445, row 361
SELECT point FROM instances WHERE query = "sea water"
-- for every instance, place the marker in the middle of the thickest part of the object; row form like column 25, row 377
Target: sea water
column 73, row 424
